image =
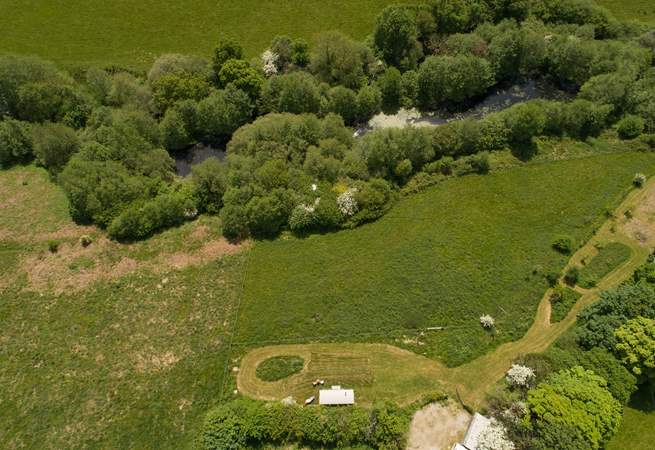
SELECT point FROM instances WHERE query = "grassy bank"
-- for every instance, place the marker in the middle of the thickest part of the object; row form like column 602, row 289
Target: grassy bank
column 471, row 246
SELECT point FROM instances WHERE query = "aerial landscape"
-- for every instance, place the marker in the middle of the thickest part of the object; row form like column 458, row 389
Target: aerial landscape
column 286, row 224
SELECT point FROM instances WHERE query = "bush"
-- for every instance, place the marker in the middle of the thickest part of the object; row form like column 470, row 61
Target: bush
column 343, row 101
column 639, row 180
column 226, row 50
column 369, row 103
column 338, row 60
column 571, row 275
column 142, row 219
column 243, row 76
column 54, row 144
column 564, row 244
column 16, row 143
column 172, row 88
column 630, row 127
column 395, row 37
column 222, row 113
column 53, row 246
column 176, row 64
column 86, row 240
column 390, row 86
column 53, row 101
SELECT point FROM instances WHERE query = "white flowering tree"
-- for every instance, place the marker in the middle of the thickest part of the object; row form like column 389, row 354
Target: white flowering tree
column 269, row 61
column 347, row 203
column 519, row 375
column 639, row 179
column 487, row 321
column 494, row 437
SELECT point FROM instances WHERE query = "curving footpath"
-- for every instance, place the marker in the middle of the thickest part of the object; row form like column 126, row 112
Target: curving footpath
column 404, row 376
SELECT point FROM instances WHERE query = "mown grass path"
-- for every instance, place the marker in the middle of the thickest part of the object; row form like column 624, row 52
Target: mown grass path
column 379, row 371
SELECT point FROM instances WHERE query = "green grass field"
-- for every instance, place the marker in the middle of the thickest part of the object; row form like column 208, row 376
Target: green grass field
column 468, row 247
column 638, row 427
column 133, row 361
column 607, row 259
column 641, row 10
column 125, row 32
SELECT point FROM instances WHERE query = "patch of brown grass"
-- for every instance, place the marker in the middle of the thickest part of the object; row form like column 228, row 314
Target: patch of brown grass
column 437, row 427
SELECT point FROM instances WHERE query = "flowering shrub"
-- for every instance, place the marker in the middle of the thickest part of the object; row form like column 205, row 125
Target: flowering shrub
column 639, row 179
column 347, row 203
column 487, row 321
column 269, row 59
column 519, row 375
column 494, row 437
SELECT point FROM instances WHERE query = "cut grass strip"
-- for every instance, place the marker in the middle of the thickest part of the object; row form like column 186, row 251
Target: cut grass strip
column 607, row 259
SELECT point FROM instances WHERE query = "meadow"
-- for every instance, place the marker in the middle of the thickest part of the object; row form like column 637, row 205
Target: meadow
column 132, row 359
column 638, row 426
column 133, row 34
column 640, row 10
column 442, row 258
column 606, row 260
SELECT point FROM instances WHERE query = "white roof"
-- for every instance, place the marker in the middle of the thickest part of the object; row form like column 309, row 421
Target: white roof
column 336, row 396
column 478, row 423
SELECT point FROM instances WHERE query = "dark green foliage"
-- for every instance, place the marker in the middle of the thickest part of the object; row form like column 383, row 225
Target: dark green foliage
column 16, row 144
column 174, row 132
column 561, row 302
column 343, row 101
column 222, row 113
column 241, row 75
column 243, row 423
column 395, row 37
column 172, row 88
column 53, row 246
column 54, row 144
column 455, row 79
column 141, row 220
column 458, row 16
column 279, row 367
column 564, row 244
column 208, row 178
column 338, row 60
column 17, row 71
column 571, row 275
column 296, row 93
column 52, row 101
column 597, row 322
column 390, row 85
column 225, row 50
column 645, row 272
column 608, row 258
column 369, row 103
column 583, row 118
column 630, row 127
column 99, row 190
column 524, row 122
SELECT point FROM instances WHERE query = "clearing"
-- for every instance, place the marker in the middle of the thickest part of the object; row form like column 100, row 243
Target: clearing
column 470, row 246
column 470, row 381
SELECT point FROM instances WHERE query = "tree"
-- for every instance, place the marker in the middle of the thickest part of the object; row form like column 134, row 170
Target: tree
column 208, row 178
column 635, row 345
column 343, row 101
column 181, row 65
column 15, row 71
column 225, row 50
column 220, row 114
column 243, row 76
column 630, row 127
column 54, row 144
column 524, row 122
column 597, row 322
column 369, row 103
column 395, row 37
column 578, row 399
column 454, row 79
column 16, row 144
column 338, row 60
column 296, row 93
column 56, row 102
column 172, row 88
column 174, row 131
column 390, row 85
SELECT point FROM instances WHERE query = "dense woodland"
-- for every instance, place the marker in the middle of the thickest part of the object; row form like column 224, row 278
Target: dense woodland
column 286, row 117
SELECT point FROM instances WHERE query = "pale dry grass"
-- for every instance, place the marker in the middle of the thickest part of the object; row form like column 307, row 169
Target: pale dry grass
column 437, row 427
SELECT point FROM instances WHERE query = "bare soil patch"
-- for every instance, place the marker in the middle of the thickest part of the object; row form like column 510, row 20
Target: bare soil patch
column 641, row 226
column 437, row 427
